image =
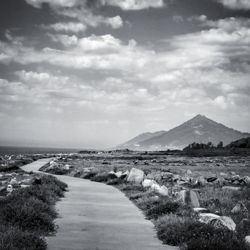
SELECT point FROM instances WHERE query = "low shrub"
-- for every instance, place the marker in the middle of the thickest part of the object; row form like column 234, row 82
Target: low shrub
column 28, row 213
column 177, row 230
column 12, row 238
column 100, row 177
column 162, row 207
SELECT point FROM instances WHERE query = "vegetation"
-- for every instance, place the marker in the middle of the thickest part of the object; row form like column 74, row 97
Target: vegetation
column 27, row 215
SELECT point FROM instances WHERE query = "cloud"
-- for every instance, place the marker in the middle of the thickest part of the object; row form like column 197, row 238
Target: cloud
column 54, row 3
column 66, row 40
column 79, row 10
column 212, row 71
column 73, row 27
column 134, row 4
column 236, row 4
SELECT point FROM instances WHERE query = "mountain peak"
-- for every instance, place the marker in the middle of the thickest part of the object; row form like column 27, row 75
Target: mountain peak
column 199, row 129
column 199, row 117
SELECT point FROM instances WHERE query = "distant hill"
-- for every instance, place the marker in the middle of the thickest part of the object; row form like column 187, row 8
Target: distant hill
column 199, row 129
column 241, row 143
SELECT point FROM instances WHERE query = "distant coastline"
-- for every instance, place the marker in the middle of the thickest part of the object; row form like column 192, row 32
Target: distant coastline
column 12, row 150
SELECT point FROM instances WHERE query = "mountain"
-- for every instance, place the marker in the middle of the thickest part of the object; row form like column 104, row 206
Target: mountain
column 199, row 129
column 142, row 137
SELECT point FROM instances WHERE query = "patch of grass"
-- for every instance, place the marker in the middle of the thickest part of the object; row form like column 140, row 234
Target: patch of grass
column 184, row 231
column 12, row 238
column 28, row 213
column 162, row 207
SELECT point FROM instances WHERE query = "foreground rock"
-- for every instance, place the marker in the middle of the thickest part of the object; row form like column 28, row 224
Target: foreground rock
column 135, row 176
column 217, row 221
column 162, row 190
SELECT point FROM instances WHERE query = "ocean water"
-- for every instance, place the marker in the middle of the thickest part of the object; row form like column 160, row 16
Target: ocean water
column 33, row 150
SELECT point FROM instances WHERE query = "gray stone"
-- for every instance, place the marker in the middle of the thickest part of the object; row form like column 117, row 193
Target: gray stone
column 217, row 221
column 162, row 190
column 239, row 208
column 224, row 222
column 201, row 181
column 246, row 180
column 200, row 210
column 189, row 197
column 148, row 183
column 247, row 240
column 207, row 217
column 135, row 175
column 231, row 188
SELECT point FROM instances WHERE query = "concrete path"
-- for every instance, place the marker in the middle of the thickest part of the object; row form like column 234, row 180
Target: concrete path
column 95, row 216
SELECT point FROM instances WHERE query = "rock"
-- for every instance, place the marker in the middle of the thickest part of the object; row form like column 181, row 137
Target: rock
column 235, row 178
column 211, row 179
column 189, row 197
column 247, row 241
column 148, row 183
column 201, row 181
column 189, row 172
column 162, row 190
column 224, row 175
column 224, row 222
column 112, row 175
column 118, row 174
column 217, row 221
column 207, row 217
column 200, row 210
column 13, row 181
column 124, row 175
column 9, row 188
column 231, row 188
column 239, row 208
column 246, row 180
column 135, row 175
column 176, row 177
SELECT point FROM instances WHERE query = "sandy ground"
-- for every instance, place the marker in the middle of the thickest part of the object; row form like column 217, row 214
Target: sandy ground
column 95, row 216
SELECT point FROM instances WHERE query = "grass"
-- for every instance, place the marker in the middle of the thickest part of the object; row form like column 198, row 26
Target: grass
column 190, row 234
column 176, row 223
column 27, row 215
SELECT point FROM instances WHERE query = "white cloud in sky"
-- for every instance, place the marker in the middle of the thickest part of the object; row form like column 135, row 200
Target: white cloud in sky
column 136, row 84
column 74, row 27
column 134, row 4
column 236, row 4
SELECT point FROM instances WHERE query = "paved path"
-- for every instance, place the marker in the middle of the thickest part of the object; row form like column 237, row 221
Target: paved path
column 95, row 216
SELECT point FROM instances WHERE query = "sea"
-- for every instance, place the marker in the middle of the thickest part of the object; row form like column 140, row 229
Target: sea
column 33, row 150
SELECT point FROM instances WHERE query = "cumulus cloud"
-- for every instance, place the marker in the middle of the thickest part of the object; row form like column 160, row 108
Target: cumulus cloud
column 236, row 4
column 74, row 27
column 54, row 3
column 79, row 10
column 213, row 71
column 134, row 4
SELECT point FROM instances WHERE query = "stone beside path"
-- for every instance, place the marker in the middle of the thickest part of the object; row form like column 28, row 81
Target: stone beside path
column 95, row 216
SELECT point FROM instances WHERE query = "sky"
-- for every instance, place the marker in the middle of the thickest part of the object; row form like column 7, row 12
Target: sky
column 95, row 73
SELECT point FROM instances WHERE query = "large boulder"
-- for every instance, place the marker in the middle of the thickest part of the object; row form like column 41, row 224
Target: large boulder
column 148, row 183
column 207, row 217
column 224, row 222
column 162, row 190
column 189, row 197
column 135, row 175
column 217, row 221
